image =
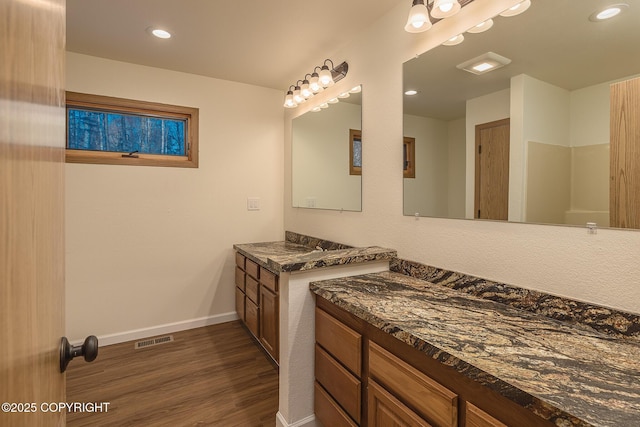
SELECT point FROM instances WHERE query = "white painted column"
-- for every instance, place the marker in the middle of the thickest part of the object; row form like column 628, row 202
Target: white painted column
column 297, row 339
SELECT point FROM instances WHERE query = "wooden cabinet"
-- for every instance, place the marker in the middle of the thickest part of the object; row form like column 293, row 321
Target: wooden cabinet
column 367, row 377
column 433, row 402
column 386, row 410
column 257, row 303
column 338, row 366
column 476, row 417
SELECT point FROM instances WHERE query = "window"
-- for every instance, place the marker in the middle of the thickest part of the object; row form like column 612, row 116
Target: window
column 408, row 157
column 355, row 152
column 107, row 130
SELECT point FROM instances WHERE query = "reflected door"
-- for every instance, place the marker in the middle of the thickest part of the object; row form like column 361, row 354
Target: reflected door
column 624, row 192
column 492, row 170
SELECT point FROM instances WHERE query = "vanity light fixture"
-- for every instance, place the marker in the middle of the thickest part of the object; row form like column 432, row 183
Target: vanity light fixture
column 481, row 27
column 517, row 9
column 484, row 63
column 317, row 81
column 445, row 8
column 608, row 12
column 418, row 20
column 454, row 40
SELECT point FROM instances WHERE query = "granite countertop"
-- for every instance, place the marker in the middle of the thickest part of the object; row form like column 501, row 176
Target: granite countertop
column 284, row 256
column 567, row 373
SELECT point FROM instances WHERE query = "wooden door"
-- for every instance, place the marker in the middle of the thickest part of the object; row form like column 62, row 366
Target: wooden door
column 492, row 170
column 624, row 189
column 32, row 140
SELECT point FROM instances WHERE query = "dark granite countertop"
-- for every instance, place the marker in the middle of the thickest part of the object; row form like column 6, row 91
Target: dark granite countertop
column 285, row 256
column 567, row 373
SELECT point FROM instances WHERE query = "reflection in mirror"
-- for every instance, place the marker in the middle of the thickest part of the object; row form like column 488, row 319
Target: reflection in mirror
column 327, row 155
column 555, row 91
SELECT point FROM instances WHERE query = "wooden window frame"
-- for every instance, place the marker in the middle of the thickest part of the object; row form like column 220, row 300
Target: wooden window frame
column 353, row 135
column 409, row 157
column 122, row 105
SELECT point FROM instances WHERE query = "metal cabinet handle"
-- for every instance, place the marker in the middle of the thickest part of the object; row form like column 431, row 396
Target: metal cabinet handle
column 89, row 349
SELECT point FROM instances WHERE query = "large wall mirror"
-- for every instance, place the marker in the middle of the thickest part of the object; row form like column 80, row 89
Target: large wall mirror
column 327, row 155
column 548, row 109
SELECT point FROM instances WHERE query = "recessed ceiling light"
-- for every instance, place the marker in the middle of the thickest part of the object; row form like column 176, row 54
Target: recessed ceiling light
column 160, row 33
column 607, row 12
column 517, row 9
column 454, row 40
column 344, row 95
column 411, row 92
column 484, row 63
column 356, row 89
column 481, row 27
column 333, row 101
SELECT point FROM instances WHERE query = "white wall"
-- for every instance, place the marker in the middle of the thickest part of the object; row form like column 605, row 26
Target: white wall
column 601, row 268
column 321, row 158
column 150, row 246
column 426, row 194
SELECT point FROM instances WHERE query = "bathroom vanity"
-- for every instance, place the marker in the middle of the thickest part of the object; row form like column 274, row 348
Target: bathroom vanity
column 274, row 302
column 427, row 354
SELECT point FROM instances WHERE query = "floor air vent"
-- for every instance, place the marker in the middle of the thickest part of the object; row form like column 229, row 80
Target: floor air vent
column 153, row 341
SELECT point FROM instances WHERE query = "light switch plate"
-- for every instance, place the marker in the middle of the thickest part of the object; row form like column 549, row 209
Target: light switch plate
column 253, row 203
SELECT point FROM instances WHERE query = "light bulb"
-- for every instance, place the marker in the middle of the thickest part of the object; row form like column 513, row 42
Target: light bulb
column 517, row 9
column 454, row 40
column 325, row 77
column 445, row 8
column 314, row 84
column 418, row 20
column 481, row 27
column 288, row 101
column 297, row 96
column 305, row 90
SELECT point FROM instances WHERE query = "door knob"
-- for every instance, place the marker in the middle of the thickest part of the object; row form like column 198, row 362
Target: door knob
column 89, row 349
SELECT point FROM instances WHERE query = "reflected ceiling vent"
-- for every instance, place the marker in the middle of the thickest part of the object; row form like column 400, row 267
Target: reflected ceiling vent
column 484, row 63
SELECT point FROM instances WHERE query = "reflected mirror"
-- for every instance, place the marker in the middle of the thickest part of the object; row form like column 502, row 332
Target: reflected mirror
column 528, row 141
column 327, row 155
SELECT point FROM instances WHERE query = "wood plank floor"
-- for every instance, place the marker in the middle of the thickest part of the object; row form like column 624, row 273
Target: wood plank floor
column 216, row 375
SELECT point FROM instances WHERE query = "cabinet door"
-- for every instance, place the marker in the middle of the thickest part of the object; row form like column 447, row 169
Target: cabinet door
column 240, row 304
column 251, row 316
column 387, row 411
column 476, row 417
column 269, row 321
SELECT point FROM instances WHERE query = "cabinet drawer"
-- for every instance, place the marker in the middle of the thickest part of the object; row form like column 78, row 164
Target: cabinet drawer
column 240, row 278
column 476, row 417
column 385, row 410
column 252, row 269
column 328, row 411
column 251, row 289
column 339, row 340
column 251, row 315
column 269, row 280
column 341, row 385
column 240, row 260
column 432, row 401
column 240, row 304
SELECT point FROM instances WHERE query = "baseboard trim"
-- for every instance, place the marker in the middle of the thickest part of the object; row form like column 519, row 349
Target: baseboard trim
column 309, row 421
column 167, row 328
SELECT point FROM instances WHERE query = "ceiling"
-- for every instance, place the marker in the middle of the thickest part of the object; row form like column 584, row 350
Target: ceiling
column 263, row 43
column 553, row 41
